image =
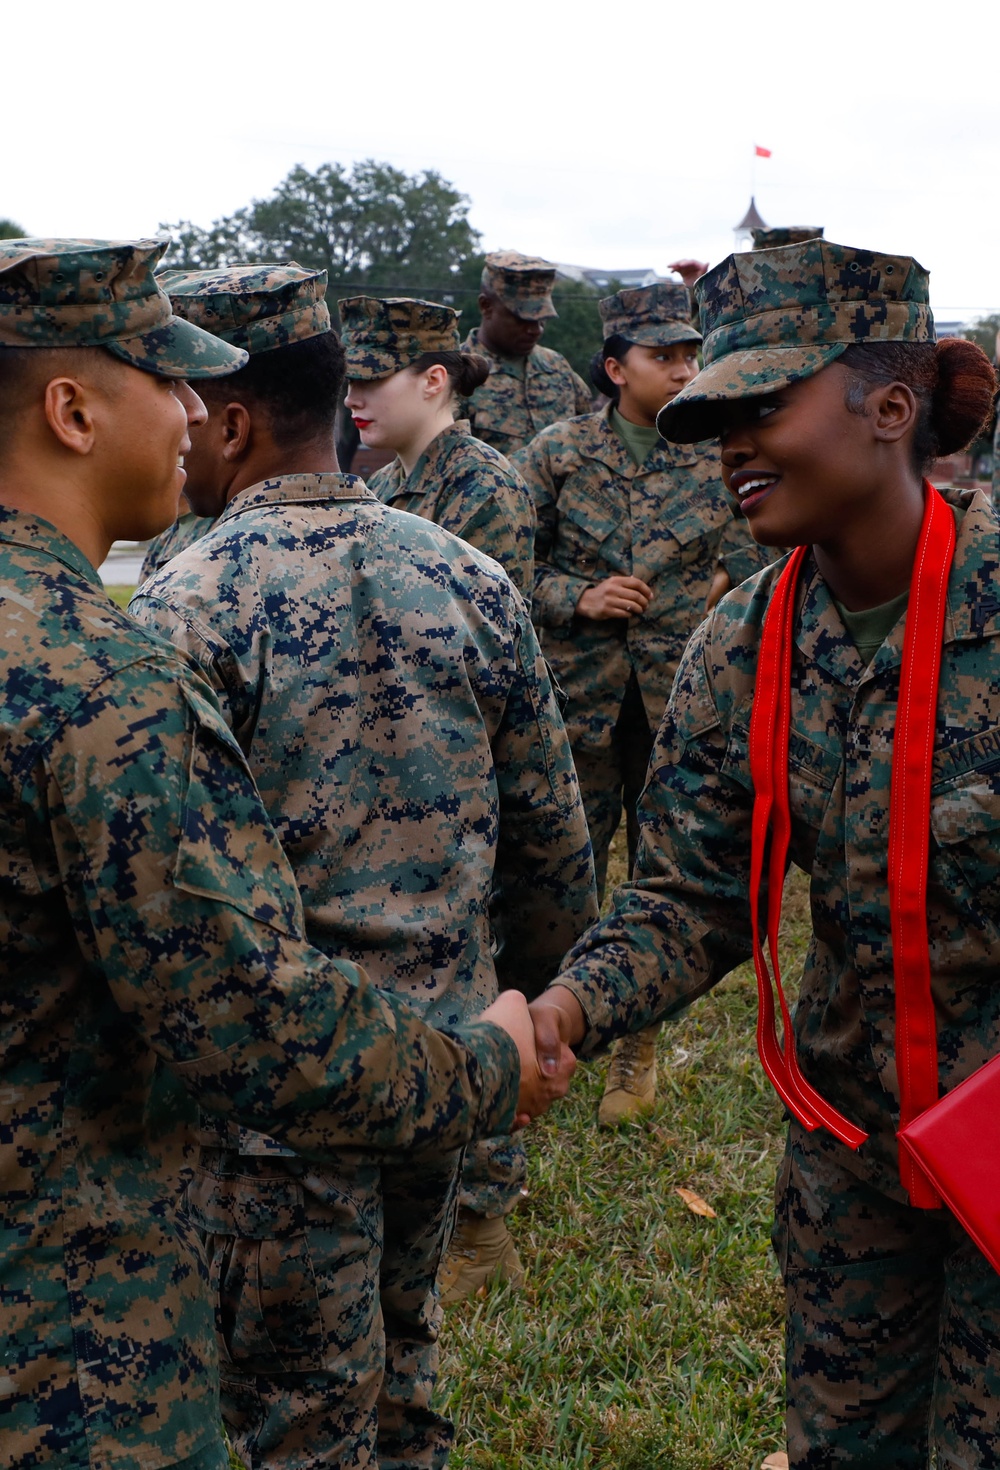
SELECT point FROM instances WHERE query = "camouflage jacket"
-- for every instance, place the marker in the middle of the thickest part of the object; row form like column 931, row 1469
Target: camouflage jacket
column 152, row 959
column 684, row 922
column 668, row 521
column 185, row 531
column 522, row 396
column 385, row 682
column 462, row 484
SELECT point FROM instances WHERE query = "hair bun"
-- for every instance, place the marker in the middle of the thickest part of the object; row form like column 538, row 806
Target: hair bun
column 473, row 373
column 599, row 377
column 963, row 394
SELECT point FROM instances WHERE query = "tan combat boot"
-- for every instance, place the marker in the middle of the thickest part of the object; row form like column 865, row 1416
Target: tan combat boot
column 630, row 1089
column 777, row 1461
column 481, row 1250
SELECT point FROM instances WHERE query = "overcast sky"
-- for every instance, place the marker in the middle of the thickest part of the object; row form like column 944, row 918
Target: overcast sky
column 610, row 136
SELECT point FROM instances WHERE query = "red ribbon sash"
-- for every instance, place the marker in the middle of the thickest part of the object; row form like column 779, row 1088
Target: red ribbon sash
column 909, row 839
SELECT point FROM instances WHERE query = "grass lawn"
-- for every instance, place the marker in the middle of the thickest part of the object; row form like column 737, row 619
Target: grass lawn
column 647, row 1337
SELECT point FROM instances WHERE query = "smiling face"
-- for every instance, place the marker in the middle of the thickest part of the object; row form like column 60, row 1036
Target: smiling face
column 649, row 377
column 148, row 434
column 805, row 469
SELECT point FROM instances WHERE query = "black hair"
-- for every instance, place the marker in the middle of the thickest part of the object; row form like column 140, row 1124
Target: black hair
column 466, row 371
column 297, row 386
column 953, row 381
column 615, row 346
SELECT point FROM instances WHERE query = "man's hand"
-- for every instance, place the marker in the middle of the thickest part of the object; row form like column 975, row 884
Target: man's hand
column 544, row 1078
column 615, row 597
column 559, row 1021
column 688, row 270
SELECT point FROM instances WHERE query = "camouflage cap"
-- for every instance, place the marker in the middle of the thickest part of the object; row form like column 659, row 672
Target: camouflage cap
column 652, row 316
column 765, row 237
column 771, row 317
column 383, row 336
column 523, row 283
column 102, row 293
column 256, row 307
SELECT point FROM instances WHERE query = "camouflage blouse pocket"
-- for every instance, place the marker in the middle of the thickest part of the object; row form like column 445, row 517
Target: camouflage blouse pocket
column 813, row 773
column 593, row 537
column 698, row 527
column 736, row 764
column 965, row 824
column 501, row 420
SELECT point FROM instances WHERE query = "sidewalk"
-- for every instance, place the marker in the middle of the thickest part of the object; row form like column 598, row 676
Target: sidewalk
column 122, row 566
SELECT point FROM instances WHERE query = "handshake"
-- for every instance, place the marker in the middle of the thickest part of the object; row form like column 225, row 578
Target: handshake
column 544, row 1033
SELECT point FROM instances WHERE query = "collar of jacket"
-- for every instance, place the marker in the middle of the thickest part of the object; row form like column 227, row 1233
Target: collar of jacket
column 597, row 439
column 539, row 359
column 296, row 489
column 20, row 528
column 430, row 462
column 973, row 599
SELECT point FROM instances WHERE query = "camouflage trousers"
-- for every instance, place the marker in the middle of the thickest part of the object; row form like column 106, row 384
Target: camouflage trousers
column 892, row 1328
column 326, row 1306
column 612, row 778
column 494, row 1176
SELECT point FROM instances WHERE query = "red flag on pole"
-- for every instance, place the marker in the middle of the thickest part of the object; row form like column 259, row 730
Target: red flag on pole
column 761, row 152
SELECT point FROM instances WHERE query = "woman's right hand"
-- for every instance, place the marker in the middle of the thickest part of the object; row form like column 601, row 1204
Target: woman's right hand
column 615, row 597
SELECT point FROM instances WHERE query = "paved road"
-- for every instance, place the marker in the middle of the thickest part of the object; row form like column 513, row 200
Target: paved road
column 122, row 566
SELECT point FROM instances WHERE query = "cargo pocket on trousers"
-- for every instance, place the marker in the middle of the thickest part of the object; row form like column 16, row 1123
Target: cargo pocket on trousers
column 779, row 1227
column 261, row 1271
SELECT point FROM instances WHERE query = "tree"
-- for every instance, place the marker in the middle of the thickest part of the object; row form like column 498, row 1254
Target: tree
column 983, row 330
column 372, row 227
column 10, row 230
column 577, row 332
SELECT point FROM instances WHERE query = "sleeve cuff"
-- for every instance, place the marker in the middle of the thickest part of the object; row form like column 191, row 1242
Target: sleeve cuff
column 496, row 1075
column 555, row 600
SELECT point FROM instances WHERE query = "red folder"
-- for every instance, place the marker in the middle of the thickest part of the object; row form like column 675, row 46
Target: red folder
column 957, row 1145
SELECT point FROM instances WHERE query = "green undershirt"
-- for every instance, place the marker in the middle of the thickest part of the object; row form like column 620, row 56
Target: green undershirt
column 638, row 440
column 870, row 627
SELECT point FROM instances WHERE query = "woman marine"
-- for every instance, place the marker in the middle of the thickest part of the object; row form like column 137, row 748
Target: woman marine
column 632, row 534
column 402, row 396
column 405, row 372
column 831, row 399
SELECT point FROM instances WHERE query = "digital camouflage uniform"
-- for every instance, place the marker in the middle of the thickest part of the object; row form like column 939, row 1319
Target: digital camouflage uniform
column 880, row 1296
column 458, row 482
column 668, row 521
column 153, row 959
column 185, row 531
column 385, row 682
column 522, row 394
column 471, row 490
